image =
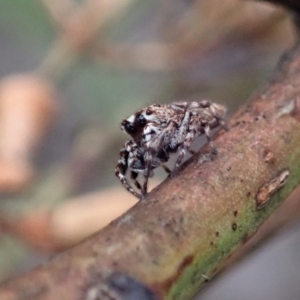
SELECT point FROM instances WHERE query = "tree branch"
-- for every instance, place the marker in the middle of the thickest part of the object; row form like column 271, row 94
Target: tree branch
column 187, row 229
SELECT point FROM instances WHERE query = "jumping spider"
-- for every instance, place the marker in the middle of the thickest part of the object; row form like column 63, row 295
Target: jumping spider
column 160, row 130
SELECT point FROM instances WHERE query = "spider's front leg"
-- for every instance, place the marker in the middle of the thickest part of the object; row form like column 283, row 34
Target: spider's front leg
column 121, row 169
column 154, row 149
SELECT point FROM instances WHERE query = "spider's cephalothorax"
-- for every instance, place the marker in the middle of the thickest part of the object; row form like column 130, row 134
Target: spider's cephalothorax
column 161, row 129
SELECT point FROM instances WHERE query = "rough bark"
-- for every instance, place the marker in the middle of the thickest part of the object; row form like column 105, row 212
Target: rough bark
column 167, row 246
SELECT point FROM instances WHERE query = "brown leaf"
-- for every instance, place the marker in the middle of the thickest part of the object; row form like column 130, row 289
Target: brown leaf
column 27, row 109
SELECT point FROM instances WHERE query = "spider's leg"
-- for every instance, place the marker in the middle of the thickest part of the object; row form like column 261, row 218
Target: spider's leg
column 193, row 152
column 218, row 112
column 121, row 169
column 183, row 139
column 144, row 189
column 178, row 161
column 223, row 124
column 181, row 132
column 152, row 152
column 133, row 176
column 148, row 163
column 164, row 138
column 207, row 132
column 166, row 168
column 185, row 146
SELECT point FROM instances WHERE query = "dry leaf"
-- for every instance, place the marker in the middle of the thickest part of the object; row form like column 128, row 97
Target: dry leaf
column 27, row 109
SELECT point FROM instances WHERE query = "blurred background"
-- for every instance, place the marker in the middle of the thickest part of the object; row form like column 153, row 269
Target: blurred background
column 71, row 70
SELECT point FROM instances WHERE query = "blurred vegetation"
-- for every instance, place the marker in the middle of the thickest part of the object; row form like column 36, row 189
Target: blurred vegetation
column 146, row 52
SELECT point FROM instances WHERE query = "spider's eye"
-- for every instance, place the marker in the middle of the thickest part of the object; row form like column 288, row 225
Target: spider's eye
column 141, row 121
column 129, row 128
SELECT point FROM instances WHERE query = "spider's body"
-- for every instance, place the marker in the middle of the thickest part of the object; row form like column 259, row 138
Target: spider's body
column 161, row 129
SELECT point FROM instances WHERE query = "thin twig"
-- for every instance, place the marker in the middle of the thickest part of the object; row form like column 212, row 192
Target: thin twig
column 59, row 10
